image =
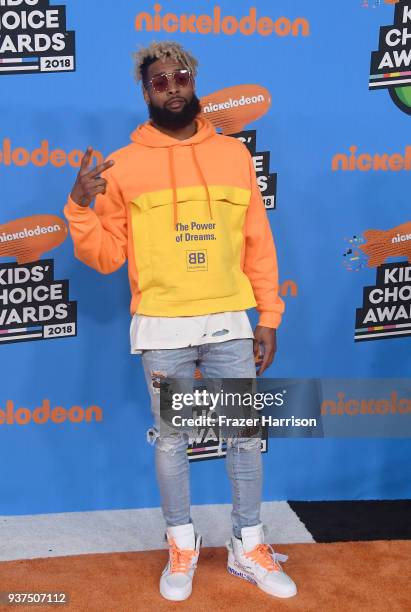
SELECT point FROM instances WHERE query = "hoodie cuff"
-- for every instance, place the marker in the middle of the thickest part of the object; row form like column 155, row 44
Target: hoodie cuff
column 73, row 210
column 269, row 319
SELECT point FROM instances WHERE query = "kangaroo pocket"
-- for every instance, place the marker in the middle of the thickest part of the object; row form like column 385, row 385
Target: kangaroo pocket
column 198, row 259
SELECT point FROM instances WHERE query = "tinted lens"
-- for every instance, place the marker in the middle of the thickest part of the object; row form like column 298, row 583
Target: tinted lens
column 160, row 82
column 181, row 78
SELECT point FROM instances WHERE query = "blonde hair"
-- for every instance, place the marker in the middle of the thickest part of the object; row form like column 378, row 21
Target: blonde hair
column 162, row 50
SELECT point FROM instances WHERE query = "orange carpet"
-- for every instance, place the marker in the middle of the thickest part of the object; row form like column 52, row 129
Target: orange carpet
column 343, row 577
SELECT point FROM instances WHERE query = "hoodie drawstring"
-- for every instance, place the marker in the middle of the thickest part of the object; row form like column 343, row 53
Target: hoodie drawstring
column 203, row 179
column 174, row 185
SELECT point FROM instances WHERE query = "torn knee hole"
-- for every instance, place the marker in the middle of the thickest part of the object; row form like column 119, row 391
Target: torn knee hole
column 156, row 377
column 152, row 435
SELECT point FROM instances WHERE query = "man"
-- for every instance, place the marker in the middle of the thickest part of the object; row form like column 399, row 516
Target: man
column 181, row 203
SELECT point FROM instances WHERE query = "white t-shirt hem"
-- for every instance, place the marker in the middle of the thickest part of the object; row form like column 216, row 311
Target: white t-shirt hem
column 158, row 333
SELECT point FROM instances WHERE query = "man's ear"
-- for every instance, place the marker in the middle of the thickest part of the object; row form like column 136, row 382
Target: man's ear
column 145, row 95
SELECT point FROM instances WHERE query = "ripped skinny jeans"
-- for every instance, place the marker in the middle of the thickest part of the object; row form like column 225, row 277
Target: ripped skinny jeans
column 227, row 359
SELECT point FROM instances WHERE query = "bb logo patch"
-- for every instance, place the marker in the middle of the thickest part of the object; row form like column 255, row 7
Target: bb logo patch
column 196, row 260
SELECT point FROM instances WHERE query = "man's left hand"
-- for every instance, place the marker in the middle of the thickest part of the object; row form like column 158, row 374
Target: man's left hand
column 265, row 338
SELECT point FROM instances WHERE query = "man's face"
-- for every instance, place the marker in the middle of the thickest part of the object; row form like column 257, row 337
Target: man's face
column 177, row 106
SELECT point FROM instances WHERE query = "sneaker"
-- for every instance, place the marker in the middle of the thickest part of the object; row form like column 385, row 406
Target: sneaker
column 256, row 562
column 184, row 548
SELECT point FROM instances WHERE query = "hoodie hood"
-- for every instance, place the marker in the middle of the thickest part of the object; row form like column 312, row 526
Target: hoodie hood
column 149, row 136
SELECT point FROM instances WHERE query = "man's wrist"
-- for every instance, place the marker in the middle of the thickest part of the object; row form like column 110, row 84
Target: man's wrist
column 75, row 201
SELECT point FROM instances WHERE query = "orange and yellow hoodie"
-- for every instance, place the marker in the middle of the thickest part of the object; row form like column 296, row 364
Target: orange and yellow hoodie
column 189, row 218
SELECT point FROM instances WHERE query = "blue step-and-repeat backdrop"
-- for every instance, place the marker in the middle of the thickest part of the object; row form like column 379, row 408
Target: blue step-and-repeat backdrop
column 320, row 92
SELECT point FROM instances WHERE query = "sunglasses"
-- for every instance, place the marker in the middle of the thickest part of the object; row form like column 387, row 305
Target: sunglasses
column 160, row 82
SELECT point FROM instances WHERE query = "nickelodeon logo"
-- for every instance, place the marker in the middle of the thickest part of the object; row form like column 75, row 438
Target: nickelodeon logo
column 42, row 156
column 46, row 414
column 367, row 161
column 217, row 24
column 382, row 244
column 28, row 238
column 358, row 406
column 232, row 108
column 400, row 238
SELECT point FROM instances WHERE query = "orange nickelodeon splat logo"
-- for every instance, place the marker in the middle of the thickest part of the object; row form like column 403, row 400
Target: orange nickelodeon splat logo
column 232, row 108
column 28, row 238
column 381, row 244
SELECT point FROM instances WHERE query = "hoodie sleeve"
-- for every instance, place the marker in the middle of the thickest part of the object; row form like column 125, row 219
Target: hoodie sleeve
column 100, row 234
column 260, row 259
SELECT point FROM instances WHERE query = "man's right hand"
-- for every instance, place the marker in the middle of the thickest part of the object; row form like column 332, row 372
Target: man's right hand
column 89, row 182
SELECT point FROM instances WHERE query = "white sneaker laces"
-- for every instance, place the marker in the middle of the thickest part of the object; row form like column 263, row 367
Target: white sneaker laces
column 264, row 556
column 276, row 556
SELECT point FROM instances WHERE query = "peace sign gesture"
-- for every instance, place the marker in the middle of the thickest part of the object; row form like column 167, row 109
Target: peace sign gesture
column 89, row 182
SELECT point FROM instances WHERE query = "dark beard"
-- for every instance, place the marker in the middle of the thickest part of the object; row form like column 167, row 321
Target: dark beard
column 175, row 121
